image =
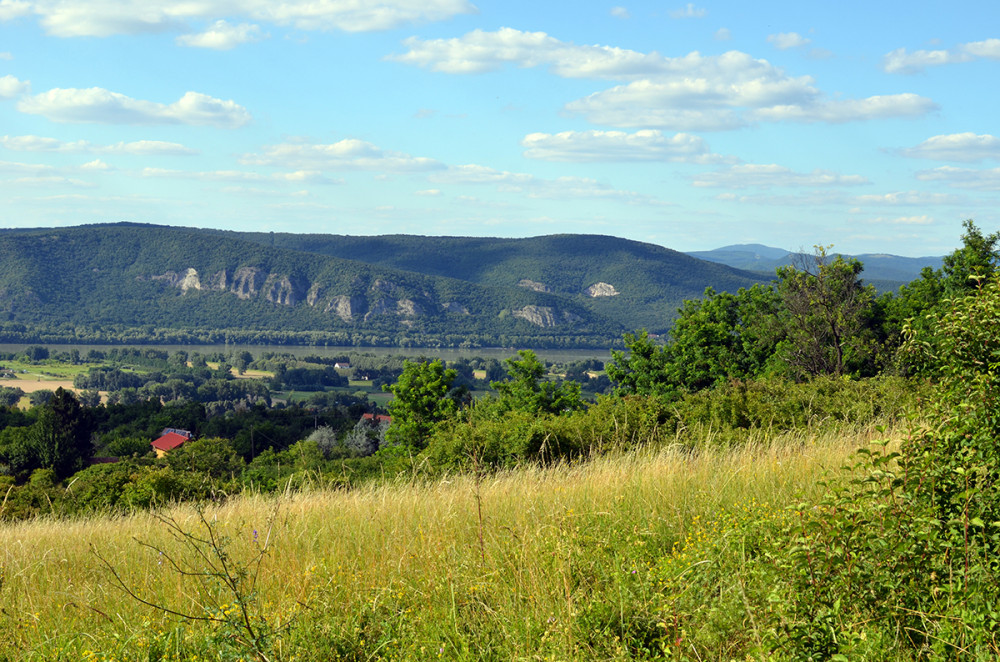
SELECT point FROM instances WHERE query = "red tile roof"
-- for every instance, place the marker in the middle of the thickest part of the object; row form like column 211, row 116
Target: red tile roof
column 169, row 441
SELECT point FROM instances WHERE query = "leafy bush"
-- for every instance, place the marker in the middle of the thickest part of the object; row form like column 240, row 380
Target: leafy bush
column 907, row 550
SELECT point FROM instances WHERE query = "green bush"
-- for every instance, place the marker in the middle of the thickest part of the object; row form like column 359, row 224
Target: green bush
column 906, row 552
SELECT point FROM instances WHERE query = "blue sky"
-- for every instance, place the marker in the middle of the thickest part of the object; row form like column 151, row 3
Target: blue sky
column 868, row 126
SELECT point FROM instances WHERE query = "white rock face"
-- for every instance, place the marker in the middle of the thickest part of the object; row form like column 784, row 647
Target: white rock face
column 542, row 316
column 190, row 281
column 601, row 290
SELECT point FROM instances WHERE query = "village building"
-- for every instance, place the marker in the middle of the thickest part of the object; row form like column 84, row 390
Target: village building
column 170, row 439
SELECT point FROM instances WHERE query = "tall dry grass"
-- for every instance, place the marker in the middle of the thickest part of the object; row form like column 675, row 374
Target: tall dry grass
column 505, row 566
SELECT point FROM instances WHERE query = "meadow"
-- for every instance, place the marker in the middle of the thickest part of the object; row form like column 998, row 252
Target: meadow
column 628, row 556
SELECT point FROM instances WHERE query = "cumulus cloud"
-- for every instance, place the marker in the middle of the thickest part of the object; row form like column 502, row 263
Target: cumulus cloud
column 620, row 12
column 689, row 93
column 901, row 61
column 139, row 147
column 785, row 40
column 96, row 164
column 97, row 105
column 646, row 145
column 103, row 18
column 956, row 147
column 771, row 175
column 723, row 34
column 348, row 154
column 11, row 87
column 6, row 56
column 688, row 11
column 11, row 9
column 980, row 180
column 223, row 36
column 481, row 51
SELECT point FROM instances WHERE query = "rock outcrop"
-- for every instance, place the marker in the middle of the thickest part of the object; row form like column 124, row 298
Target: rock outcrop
column 601, row 290
column 542, row 316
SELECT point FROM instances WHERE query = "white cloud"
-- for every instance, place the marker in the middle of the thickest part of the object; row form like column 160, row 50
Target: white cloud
column 785, row 40
column 139, row 147
column 723, row 34
column 901, row 61
column 915, row 198
column 689, row 93
column 223, row 36
column 11, row 9
column 24, row 168
column 430, row 192
column 348, row 154
column 575, row 188
column 297, row 177
column 850, row 110
column 98, row 105
column 592, row 146
column 620, row 12
column 480, row 51
column 53, row 180
column 103, row 18
column 6, row 56
column 688, row 11
column 981, row 180
column 477, row 174
column 96, row 164
column 770, row 175
column 210, row 176
column 11, row 87
column 956, row 147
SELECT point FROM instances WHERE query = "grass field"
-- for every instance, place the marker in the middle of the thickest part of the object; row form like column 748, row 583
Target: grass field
column 572, row 562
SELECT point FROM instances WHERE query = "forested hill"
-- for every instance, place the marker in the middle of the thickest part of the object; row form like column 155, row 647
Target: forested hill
column 638, row 284
column 131, row 282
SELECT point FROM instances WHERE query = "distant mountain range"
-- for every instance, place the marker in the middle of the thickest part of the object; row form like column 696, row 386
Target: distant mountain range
column 131, row 282
column 886, row 272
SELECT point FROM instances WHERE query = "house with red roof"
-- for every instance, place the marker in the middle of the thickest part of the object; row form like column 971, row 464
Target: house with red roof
column 170, row 439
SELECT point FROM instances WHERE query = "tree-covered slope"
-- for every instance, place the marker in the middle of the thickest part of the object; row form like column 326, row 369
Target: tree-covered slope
column 638, row 284
column 144, row 276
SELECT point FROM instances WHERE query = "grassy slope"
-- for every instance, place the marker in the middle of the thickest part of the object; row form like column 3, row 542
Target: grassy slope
column 570, row 564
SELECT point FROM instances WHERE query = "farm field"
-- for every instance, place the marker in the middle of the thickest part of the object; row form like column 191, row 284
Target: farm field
column 570, row 562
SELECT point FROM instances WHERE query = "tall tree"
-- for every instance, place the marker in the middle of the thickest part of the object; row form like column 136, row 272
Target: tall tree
column 643, row 368
column 831, row 316
column 527, row 389
column 423, row 397
column 62, row 434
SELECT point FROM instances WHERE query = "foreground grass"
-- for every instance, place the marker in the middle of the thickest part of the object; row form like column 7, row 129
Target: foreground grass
column 593, row 561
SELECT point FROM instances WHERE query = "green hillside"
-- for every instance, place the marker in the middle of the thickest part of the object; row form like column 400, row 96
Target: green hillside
column 133, row 282
column 647, row 282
